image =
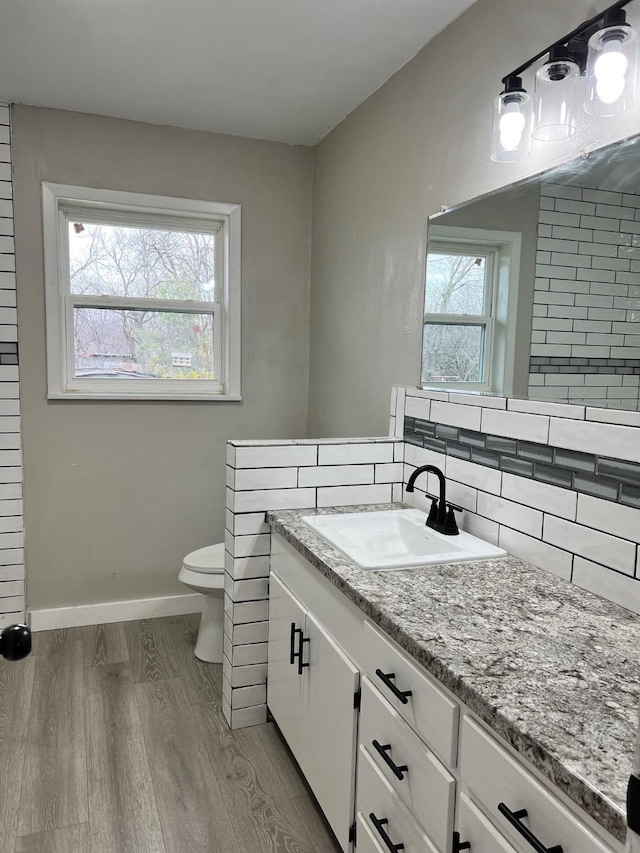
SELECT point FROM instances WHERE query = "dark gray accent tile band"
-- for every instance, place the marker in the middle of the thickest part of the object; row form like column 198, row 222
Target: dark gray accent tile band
column 8, row 353
column 568, row 364
column 610, row 479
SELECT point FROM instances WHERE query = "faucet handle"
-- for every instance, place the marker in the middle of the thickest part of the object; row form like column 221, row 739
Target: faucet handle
column 450, row 526
column 433, row 512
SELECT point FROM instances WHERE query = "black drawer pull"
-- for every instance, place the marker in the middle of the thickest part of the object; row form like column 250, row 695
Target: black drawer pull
column 382, row 751
column 514, row 819
column 292, row 643
column 303, row 640
column 386, row 677
column 379, row 824
column 460, row 845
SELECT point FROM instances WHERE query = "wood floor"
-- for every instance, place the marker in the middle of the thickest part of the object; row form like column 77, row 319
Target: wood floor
column 112, row 740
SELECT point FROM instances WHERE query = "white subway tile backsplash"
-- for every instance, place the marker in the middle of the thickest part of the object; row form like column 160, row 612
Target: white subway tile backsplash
column 249, row 590
column 246, row 676
column 247, row 611
column 251, row 654
column 485, row 401
column 355, row 454
column 11, row 556
column 516, row 425
column 347, row 495
column 543, row 496
column 511, row 514
column 602, row 196
column 401, row 395
column 270, row 499
column 417, row 407
column 481, row 527
column 250, row 479
column 617, row 519
column 458, row 493
column 537, row 553
column 467, row 417
column 418, row 456
column 388, row 472
column 248, row 697
column 612, row 416
column 537, row 407
column 476, row 476
column 620, row 589
column 550, row 217
column 591, row 544
column 243, row 717
column 252, row 632
column 276, row 456
column 337, row 475
column 247, row 568
column 11, row 589
column 562, row 191
column 247, row 524
column 590, row 437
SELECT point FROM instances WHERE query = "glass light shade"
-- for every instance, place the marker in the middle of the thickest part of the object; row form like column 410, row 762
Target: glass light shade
column 611, row 71
column 511, row 137
column 558, row 100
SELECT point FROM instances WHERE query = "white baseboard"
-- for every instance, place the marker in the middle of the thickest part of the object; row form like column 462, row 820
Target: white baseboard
column 114, row 611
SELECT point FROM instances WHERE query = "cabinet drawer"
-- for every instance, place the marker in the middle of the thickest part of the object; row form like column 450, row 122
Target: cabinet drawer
column 494, row 777
column 365, row 840
column 426, row 787
column 475, row 829
column 376, row 797
column 427, row 709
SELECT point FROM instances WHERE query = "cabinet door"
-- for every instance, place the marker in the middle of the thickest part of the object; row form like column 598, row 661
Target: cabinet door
column 327, row 756
column 284, row 683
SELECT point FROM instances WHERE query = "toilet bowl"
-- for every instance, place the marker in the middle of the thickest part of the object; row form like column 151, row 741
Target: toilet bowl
column 203, row 571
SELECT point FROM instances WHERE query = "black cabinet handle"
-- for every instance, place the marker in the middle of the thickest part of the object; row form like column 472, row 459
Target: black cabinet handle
column 303, row 640
column 460, row 845
column 382, row 751
column 292, row 642
column 386, row 677
column 514, row 819
column 379, row 824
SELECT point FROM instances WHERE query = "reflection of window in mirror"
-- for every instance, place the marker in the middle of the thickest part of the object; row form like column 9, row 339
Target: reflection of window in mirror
column 470, row 302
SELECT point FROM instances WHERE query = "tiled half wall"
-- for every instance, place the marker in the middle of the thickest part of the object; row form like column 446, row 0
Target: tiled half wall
column 557, row 485
column 12, row 603
column 264, row 475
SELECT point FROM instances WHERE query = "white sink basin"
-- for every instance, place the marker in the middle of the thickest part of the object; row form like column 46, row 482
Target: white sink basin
column 397, row 539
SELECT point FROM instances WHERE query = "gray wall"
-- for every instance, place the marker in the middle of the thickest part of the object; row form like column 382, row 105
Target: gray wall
column 116, row 493
column 515, row 210
column 420, row 142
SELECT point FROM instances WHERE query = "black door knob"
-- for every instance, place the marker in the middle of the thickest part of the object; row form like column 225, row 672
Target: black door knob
column 15, row 642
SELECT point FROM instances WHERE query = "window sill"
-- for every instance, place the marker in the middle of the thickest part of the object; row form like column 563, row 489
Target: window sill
column 185, row 398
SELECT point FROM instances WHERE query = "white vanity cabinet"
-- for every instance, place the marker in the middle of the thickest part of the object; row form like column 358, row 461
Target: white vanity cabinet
column 413, row 769
column 312, row 687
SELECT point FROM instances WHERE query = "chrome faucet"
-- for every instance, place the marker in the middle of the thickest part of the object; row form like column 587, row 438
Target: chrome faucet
column 441, row 515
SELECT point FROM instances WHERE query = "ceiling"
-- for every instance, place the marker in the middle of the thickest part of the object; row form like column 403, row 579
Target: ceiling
column 288, row 70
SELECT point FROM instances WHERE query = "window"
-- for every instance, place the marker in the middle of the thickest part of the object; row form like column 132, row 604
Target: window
column 469, row 319
column 142, row 296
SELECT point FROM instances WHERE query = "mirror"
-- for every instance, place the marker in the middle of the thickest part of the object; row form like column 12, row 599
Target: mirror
column 534, row 291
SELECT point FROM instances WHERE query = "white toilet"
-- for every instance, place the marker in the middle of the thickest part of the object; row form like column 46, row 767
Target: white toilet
column 203, row 571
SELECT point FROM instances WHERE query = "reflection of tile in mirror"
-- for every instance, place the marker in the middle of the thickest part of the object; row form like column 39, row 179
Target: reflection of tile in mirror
column 577, row 320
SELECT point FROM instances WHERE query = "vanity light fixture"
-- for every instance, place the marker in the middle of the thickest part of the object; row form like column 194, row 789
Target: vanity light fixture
column 594, row 66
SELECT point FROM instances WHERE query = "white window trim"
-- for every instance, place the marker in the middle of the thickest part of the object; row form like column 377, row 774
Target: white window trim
column 502, row 331
column 172, row 212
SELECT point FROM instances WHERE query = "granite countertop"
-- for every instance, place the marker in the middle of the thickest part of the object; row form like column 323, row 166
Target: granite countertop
column 548, row 666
